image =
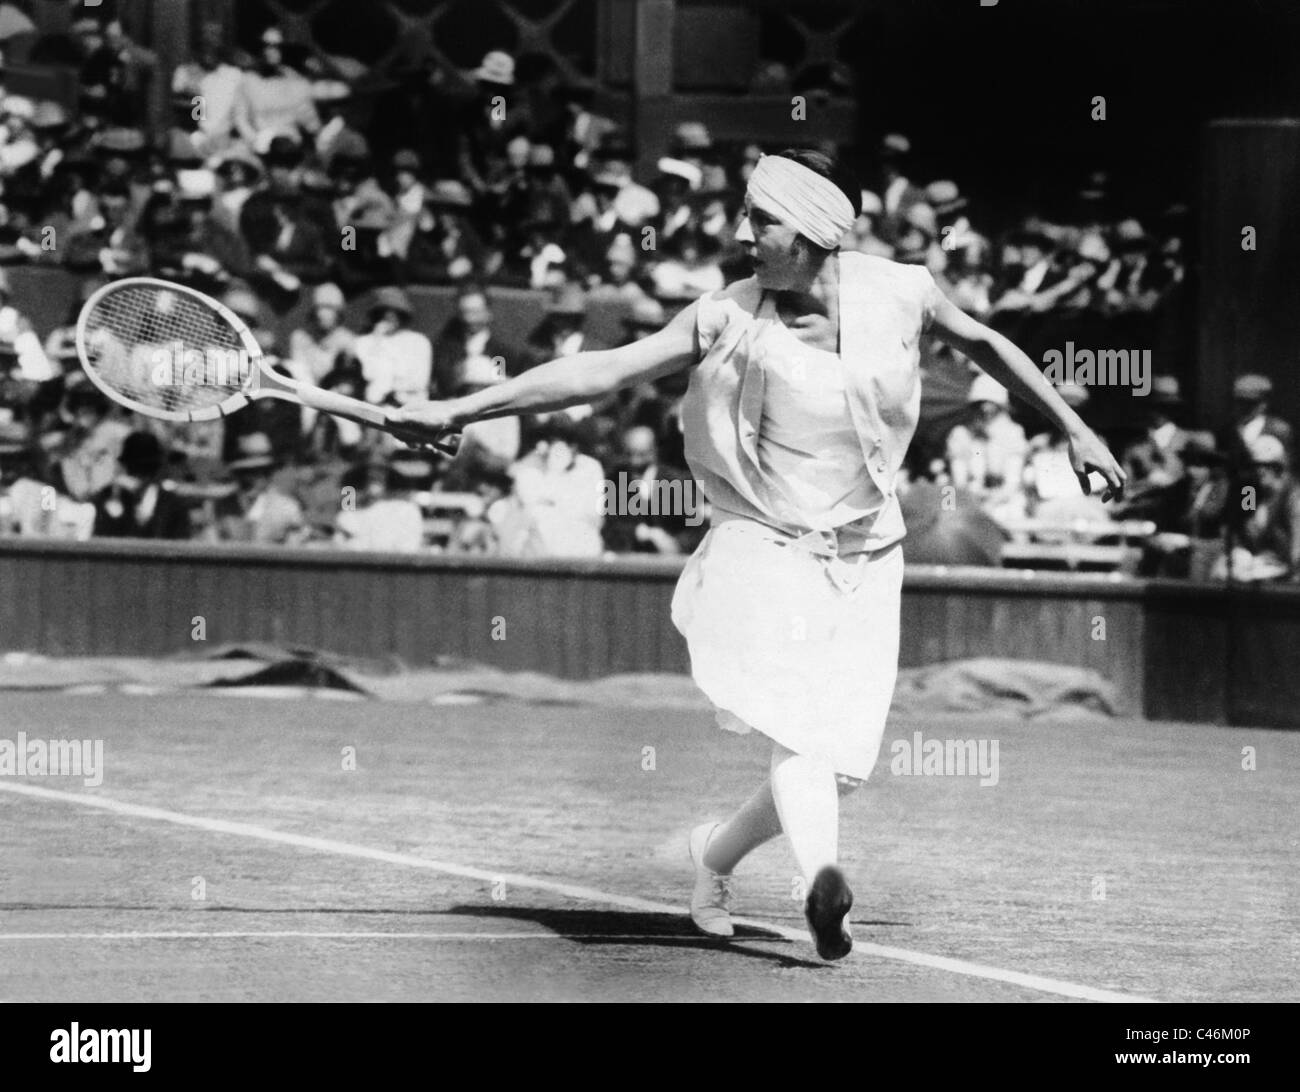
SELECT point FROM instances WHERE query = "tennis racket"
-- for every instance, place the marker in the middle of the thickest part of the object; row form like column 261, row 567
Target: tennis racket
column 168, row 351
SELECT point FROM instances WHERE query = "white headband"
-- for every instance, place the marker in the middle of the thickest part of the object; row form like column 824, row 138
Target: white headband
column 802, row 198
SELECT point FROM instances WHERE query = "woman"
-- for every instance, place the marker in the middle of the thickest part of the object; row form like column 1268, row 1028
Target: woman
column 804, row 396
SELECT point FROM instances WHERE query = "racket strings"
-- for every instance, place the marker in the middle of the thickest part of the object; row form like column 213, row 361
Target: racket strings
column 165, row 349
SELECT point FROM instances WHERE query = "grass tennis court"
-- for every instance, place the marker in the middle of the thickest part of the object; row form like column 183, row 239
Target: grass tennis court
column 508, row 851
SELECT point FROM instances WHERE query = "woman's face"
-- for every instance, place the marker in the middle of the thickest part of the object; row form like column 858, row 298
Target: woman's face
column 780, row 263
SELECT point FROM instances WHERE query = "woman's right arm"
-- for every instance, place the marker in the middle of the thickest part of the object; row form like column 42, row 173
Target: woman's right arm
column 568, row 381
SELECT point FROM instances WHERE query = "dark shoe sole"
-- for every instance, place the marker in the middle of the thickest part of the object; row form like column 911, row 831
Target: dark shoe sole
column 827, row 908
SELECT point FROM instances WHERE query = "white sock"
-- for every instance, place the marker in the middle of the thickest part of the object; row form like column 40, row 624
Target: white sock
column 806, row 796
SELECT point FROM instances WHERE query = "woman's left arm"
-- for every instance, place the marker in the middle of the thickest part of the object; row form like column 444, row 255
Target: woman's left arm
column 1015, row 371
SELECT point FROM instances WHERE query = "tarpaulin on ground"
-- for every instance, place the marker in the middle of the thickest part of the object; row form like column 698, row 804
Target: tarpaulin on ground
column 983, row 686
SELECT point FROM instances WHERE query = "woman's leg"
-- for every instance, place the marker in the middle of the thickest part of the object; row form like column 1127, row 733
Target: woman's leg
column 754, row 823
column 806, row 797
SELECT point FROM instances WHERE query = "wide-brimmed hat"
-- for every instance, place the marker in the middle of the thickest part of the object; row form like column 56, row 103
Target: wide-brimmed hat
column 1166, row 391
column 120, row 140
column 49, row 115
column 944, row 197
column 497, row 67
column 449, row 193
column 406, row 160
column 1252, row 387
column 328, row 295
column 692, row 175
column 391, row 299
column 255, row 453
column 692, row 136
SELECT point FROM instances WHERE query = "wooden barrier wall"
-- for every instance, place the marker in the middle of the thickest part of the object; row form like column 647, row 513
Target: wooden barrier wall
column 1173, row 650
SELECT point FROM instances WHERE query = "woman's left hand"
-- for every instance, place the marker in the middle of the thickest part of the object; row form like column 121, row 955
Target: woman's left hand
column 1088, row 453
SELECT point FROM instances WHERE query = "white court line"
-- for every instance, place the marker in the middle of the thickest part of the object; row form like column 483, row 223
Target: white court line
column 570, row 891
column 314, row 934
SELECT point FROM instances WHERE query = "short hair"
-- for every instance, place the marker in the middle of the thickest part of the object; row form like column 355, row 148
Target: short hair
column 820, row 163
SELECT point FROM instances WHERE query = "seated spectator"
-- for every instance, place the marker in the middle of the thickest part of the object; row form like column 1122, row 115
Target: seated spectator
column 88, row 452
column 30, row 505
column 863, row 236
column 322, row 338
column 1267, row 535
column 392, row 522
column 658, row 508
column 486, row 128
column 273, row 99
column 196, row 248
column 562, row 332
column 396, row 361
column 111, row 245
column 469, row 354
column 408, row 199
column 363, row 212
column 1052, row 489
column 616, row 281
column 139, row 503
column 444, row 247
column 257, row 510
column 1252, row 419
column 118, row 69
column 557, row 500
column 1153, row 464
column 689, row 269
column 481, row 532
column 548, row 195
column 18, row 340
column 215, row 83
column 283, row 422
column 336, row 437
column 239, row 175
column 987, row 454
column 1205, row 492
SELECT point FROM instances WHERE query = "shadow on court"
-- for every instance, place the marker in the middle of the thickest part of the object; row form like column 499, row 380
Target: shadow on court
column 631, row 928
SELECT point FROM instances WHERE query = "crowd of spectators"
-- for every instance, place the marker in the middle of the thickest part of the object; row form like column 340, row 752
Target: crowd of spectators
column 282, row 187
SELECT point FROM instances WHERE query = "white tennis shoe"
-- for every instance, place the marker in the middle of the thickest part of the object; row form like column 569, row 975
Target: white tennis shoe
column 711, row 899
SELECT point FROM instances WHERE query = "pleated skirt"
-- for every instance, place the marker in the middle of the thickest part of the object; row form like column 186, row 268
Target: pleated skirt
column 800, row 647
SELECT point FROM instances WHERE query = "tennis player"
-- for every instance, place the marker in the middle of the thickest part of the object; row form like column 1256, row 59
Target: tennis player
column 803, row 397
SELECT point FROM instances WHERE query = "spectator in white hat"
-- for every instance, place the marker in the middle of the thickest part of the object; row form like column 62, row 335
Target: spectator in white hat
column 323, row 338
column 986, row 454
column 396, row 360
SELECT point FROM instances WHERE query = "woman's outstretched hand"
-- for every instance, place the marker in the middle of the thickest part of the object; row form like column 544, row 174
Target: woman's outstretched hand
column 422, row 423
column 1088, row 453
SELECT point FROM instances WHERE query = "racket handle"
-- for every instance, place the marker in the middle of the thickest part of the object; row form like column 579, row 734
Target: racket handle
column 364, row 413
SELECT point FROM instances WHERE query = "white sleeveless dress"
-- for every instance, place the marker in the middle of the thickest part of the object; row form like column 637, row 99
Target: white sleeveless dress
column 783, row 639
